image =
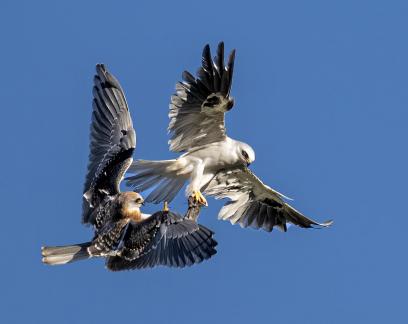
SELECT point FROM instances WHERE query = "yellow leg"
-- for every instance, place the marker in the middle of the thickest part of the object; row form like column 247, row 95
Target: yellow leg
column 165, row 207
column 199, row 198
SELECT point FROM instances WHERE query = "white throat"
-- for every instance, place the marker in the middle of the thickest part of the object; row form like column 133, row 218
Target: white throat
column 145, row 216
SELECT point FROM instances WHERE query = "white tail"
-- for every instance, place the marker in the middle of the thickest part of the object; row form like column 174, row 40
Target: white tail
column 160, row 175
column 55, row 255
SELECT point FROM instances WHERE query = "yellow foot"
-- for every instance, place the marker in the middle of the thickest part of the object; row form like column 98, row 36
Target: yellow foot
column 165, row 207
column 199, row 198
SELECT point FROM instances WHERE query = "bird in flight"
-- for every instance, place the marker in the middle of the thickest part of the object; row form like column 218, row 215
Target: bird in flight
column 213, row 163
column 126, row 237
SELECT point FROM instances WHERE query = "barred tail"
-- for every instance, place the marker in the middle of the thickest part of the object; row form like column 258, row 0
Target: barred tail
column 160, row 175
column 54, row 255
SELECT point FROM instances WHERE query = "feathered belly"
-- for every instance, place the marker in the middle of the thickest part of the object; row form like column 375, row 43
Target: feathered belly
column 216, row 156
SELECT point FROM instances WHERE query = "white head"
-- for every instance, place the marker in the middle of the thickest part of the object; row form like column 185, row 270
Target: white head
column 245, row 153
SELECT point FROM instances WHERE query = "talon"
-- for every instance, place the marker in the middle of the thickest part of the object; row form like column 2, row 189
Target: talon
column 199, row 198
column 165, row 207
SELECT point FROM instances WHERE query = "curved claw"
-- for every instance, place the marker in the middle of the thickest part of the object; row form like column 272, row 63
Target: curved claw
column 199, row 198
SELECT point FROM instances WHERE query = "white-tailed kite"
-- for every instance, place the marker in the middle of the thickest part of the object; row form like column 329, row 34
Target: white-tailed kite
column 128, row 238
column 213, row 163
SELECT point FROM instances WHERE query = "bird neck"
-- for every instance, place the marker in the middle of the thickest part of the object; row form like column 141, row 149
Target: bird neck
column 132, row 213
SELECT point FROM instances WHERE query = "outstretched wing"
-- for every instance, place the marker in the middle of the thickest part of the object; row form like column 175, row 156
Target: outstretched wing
column 173, row 241
column 254, row 204
column 112, row 140
column 197, row 109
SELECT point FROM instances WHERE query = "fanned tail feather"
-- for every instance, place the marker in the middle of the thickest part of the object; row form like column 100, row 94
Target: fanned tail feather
column 55, row 255
column 159, row 175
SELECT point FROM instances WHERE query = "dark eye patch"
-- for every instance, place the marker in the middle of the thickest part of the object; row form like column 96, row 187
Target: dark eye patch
column 244, row 154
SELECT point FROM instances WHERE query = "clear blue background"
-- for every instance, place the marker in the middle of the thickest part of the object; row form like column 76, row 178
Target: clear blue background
column 321, row 92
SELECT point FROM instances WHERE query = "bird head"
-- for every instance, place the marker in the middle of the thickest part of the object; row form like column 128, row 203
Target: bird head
column 246, row 153
column 135, row 199
column 130, row 203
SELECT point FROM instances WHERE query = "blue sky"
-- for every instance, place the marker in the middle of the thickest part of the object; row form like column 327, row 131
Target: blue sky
column 321, row 91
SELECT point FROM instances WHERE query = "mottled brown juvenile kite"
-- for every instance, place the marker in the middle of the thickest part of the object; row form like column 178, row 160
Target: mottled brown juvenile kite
column 124, row 235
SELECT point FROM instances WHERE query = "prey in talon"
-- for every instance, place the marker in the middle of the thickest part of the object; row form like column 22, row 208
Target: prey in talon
column 123, row 234
column 193, row 209
column 199, row 198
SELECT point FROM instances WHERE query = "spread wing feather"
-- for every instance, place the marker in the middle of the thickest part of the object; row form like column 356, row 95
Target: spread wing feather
column 164, row 239
column 198, row 106
column 112, row 139
column 254, row 204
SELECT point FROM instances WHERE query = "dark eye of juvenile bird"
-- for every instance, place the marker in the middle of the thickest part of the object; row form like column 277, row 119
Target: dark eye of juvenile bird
column 244, row 154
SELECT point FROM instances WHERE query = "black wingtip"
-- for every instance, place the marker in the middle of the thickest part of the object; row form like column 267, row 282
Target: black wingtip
column 232, row 56
column 219, row 60
column 187, row 76
column 100, row 67
column 206, row 49
column 221, row 46
column 231, row 60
